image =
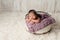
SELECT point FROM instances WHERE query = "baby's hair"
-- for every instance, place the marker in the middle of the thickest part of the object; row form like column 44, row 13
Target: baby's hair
column 32, row 11
column 35, row 12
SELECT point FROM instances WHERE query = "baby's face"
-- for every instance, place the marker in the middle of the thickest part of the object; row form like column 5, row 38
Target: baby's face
column 32, row 15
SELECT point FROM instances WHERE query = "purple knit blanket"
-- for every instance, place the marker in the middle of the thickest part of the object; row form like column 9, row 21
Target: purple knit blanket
column 46, row 20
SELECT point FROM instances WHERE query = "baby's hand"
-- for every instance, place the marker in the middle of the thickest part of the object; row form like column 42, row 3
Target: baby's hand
column 36, row 21
column 27, row 20
column 32, row 22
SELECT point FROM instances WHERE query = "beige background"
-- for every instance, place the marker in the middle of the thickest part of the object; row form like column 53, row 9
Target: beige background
column 12, row 22
column 24, row 5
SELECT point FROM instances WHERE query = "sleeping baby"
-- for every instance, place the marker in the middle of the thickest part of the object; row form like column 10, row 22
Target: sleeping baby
column 33, row 17
column 37, row 21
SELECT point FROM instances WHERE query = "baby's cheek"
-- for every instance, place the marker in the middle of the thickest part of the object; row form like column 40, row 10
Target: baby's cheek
column 34, row 17
column 30, row 18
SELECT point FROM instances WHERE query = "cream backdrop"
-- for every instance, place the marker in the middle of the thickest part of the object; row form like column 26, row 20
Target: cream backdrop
column 25, row 5
column 51, row 6
column 12, row 22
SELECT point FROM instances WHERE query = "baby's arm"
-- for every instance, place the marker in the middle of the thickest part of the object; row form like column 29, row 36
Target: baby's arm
column 27, row 20
column 30, row 21
column 36, row 21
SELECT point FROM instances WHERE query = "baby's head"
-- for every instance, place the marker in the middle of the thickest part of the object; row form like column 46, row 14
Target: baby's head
column 33, row 14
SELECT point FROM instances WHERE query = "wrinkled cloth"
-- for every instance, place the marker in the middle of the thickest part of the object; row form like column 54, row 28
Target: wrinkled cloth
column 46, row 20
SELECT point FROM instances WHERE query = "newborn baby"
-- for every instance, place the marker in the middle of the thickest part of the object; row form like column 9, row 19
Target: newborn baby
column 33, row 17
column 40, row 20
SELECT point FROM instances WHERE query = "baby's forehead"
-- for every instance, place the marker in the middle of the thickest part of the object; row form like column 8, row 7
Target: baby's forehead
column 31, row 15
